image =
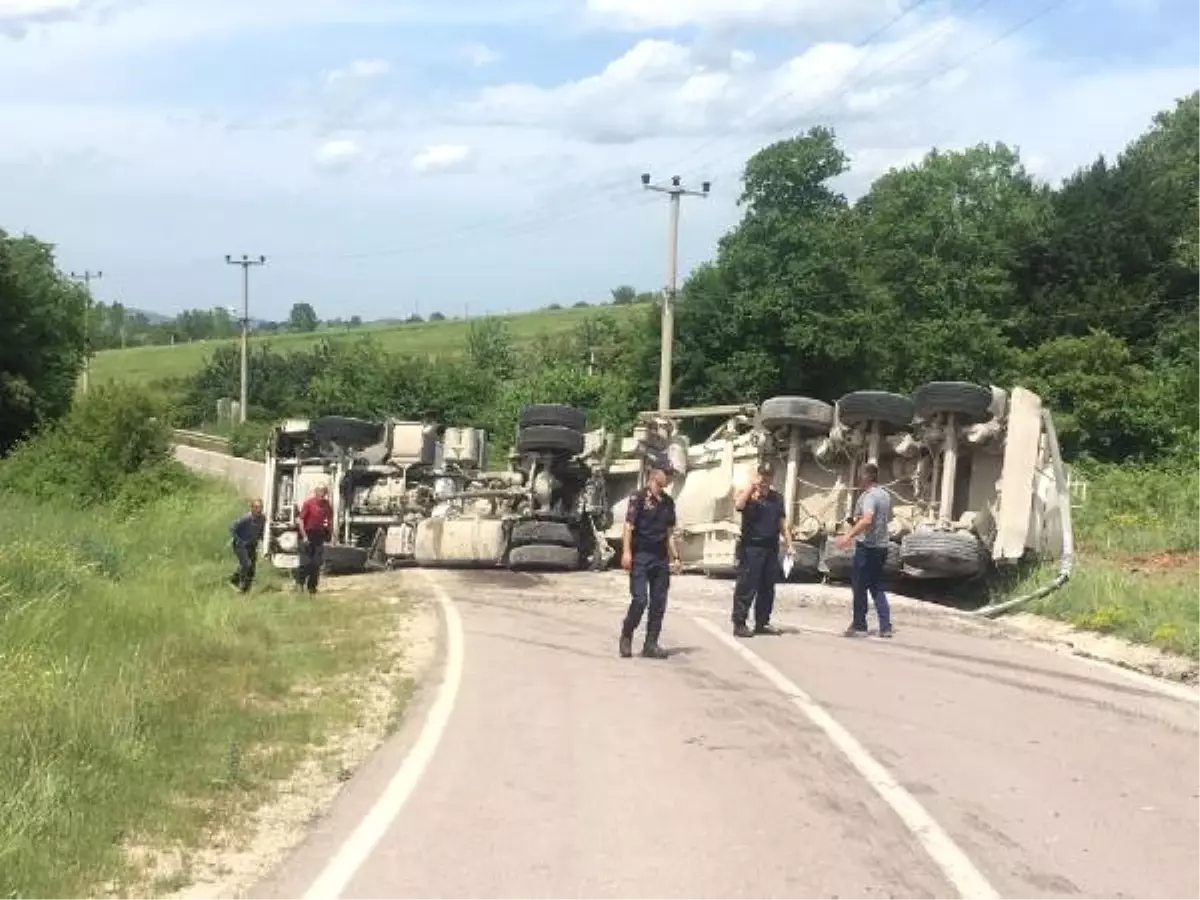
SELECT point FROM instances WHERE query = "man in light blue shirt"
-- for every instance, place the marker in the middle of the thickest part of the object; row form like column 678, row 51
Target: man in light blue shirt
column 869, row 534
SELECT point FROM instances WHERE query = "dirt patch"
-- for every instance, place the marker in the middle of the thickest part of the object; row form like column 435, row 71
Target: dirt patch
column 1103, row 647
column 1169, row 561
column 236, row 859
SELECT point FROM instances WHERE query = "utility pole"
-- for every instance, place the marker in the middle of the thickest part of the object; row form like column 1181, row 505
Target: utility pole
column 673, row 191
column 245, row 262
column 86, row 278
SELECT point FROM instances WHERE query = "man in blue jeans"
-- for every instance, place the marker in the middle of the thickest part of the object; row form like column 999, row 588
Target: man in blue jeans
column 869, row 534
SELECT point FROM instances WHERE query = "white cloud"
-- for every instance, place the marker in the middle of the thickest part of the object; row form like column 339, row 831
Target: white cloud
column 359, row 70
column 662, row 88
column 648, row 15
column 337, row 153
column 479, row 54
column 442, row 158
column 18, row 16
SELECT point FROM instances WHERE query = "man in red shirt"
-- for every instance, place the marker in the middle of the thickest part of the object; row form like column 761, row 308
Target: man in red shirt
column 315, row 524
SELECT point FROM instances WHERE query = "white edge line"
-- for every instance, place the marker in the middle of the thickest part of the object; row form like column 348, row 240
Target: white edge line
column 353, row 852
column 946, row 855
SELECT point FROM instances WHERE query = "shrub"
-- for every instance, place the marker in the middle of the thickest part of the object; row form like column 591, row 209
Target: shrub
column 114, row 445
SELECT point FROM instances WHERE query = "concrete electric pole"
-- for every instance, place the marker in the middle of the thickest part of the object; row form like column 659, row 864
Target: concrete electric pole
column 86, row 278
column 245, row 262
column 673, row 191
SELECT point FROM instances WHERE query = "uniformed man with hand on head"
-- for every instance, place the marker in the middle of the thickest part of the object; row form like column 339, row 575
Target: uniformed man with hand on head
column 649, row 553
column 764, row 524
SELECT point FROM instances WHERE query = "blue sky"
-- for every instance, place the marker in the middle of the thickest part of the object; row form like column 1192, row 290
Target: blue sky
column 397, row 155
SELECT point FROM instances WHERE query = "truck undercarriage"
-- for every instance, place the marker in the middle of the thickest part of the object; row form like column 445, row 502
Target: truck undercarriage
column 968, row 468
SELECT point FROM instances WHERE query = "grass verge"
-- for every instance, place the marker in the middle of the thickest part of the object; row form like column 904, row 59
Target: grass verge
column 143, row 703
column 1136, row 574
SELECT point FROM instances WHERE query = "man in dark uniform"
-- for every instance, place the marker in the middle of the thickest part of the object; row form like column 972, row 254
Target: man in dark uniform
column 247, row 534
column 764, row 523
column 649, row 553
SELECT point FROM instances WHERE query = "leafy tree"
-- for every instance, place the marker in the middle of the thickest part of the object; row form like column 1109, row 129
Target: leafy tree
column 303, row 318
column 43, row 348
column 437, row 317
column 624, row 295
column 1105, row 405
column 490, row 347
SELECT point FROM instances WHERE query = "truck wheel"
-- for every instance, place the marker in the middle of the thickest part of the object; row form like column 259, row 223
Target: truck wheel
column 835, row 562
column 963, row 398
column 347, row 432
column 540, row 557
column 884, row 407
column 341, row 559
column 892, row 567
column 798, row 412
column 807, row 559
column 549, row 439
column 552, row 414
column 949, row 554
column 554, row 534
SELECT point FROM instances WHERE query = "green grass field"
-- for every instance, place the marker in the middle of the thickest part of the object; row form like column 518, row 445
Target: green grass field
column 142, row 701
column 145, row 365
column 1138, row 534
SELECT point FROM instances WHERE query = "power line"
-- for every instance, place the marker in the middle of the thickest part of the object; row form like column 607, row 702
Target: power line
column 245, row 262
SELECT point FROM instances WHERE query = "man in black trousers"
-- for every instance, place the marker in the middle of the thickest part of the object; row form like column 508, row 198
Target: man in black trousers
column 649, row 553
column 764, row 524
column 247, row 533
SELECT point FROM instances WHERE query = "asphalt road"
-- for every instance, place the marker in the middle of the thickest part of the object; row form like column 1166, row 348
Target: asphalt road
column 946, row 762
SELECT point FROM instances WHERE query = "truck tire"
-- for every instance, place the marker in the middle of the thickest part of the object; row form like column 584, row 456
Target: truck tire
column 859, row 407
column 835, row 562
column 342, row 559
column 556, row 414
column 540, row 557
column 949, row 554
column 892, row 568
column 347, row 432
column 963, row 398
column 807, row 558
column 554, row 534
column 838, row 563
column 549, row 439
column 796, row 412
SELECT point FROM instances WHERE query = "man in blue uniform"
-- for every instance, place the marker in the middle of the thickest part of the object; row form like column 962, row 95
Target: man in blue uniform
column 649, row 553
column 764, row 524
column 247, row 533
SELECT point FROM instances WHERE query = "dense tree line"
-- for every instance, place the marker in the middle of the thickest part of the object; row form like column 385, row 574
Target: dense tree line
column 962, row 266
column 43, row 314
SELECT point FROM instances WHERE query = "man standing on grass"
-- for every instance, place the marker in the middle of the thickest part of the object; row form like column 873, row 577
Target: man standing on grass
column 646, row 546
column 869, row 534
column 247, row 533
column 764, row 526
column 315, row 524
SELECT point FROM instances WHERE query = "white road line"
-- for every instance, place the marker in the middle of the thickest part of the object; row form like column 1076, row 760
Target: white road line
column 358, row 846
column 946, row 855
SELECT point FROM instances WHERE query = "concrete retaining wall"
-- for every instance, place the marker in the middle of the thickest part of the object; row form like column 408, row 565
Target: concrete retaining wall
column 244, row 474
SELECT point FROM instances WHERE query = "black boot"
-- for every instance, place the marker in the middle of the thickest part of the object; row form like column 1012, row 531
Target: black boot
column 651, row 650
column 626, row 646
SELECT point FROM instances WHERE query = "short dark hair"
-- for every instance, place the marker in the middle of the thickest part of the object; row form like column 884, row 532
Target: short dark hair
column 870, row 471
column 766, row 467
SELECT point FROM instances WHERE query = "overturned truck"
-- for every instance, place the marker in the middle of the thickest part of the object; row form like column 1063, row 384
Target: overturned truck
column 974, row 474
column 413, row 493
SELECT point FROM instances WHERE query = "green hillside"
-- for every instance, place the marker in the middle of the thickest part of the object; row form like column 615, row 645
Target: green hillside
column 146, row 365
